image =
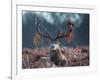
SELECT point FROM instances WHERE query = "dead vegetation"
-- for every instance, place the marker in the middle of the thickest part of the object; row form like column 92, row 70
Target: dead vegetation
column 32, row 58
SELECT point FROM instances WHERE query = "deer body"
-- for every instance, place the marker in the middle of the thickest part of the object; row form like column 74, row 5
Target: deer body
column 57, row 56
column 61, row 58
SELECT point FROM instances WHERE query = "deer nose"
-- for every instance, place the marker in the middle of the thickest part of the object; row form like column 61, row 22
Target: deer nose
column 52, row 46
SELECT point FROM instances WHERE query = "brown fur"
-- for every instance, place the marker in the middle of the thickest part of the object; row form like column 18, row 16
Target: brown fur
column 61, row 58
column 58, row 57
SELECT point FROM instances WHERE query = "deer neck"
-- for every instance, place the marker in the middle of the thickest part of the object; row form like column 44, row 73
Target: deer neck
column 59, row 52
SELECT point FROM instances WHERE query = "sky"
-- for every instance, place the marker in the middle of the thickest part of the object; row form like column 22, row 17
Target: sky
column 52, row 22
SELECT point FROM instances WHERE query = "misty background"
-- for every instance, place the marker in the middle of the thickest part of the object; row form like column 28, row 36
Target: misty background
column 52, row 22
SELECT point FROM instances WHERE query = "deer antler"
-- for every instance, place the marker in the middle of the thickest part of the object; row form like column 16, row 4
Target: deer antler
column 69, row 34
column 60, row 35
column 47, row 35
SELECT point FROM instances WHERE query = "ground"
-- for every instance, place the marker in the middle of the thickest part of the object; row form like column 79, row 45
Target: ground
column 38, row 57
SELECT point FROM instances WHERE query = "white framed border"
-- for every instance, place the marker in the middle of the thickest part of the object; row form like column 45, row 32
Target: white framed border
column 18, row 73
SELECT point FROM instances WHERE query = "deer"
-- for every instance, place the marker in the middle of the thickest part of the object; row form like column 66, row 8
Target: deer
column 55, row 55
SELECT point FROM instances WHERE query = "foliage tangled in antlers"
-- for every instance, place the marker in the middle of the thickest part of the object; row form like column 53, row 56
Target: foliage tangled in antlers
column 37, row 38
